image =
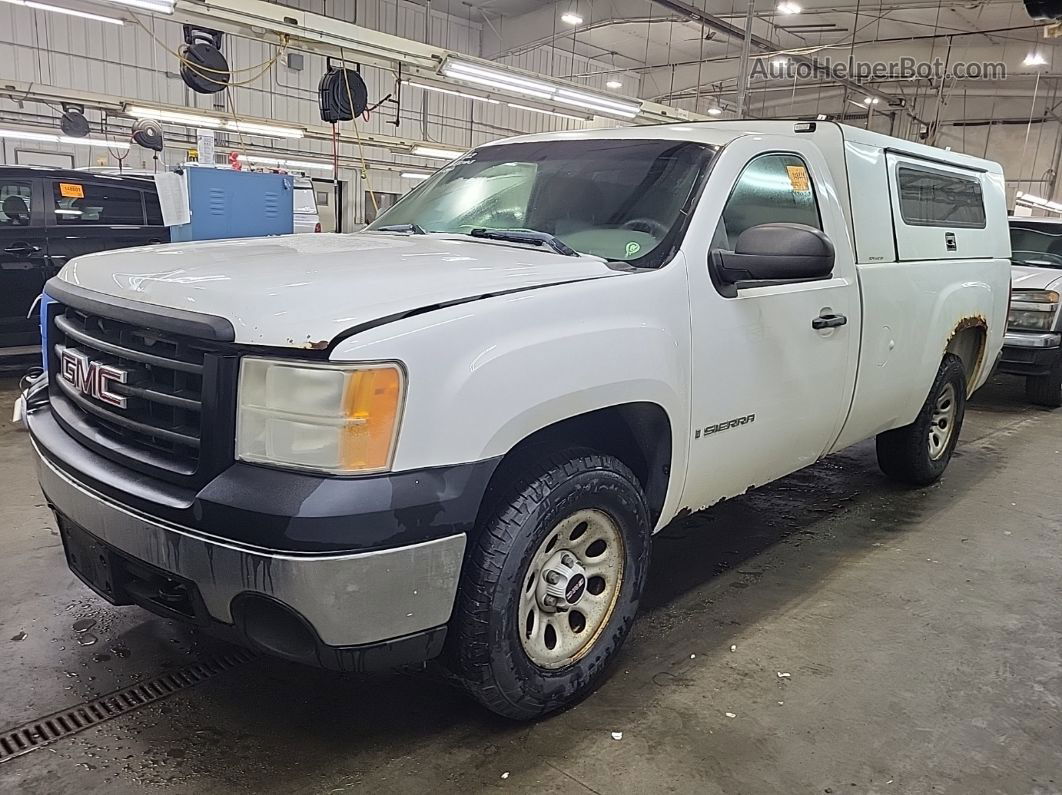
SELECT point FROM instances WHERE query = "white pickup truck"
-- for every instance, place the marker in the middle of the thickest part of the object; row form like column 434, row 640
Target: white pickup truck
column 455, row 433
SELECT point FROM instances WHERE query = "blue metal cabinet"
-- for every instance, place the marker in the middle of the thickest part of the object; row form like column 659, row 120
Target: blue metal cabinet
column 226, row 203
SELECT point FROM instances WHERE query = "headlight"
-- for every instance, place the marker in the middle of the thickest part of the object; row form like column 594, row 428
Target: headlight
column 339, row 418
column 1033, row 310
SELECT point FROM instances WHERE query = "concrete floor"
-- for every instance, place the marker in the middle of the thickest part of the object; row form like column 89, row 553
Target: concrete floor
column 920, row 632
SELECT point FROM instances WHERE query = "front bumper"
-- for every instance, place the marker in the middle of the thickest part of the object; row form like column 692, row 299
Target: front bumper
column 349, row 609
column 1028, row 353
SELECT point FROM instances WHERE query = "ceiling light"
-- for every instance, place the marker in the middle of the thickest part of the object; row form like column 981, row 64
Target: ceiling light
column 414, row 175
column 496, row 78
column 499, row 79
column 871, row 100
column 61, row 10
column 450, row 91
column 62, row 139
column 593, row 102
column 1034, row 59
column 160, row 6
column 614, row 84
column 715, row 111
column 571, row 18
column 547, row 112
column 256, row 160
column 786, row 7
column 441, row 154
column 191, row 119
column 263, row 129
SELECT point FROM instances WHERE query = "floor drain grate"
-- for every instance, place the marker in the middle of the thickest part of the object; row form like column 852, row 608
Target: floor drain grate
column 43, row 731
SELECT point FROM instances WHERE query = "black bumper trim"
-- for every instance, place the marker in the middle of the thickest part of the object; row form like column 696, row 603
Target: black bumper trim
column 286, row 511
column 1028, row 361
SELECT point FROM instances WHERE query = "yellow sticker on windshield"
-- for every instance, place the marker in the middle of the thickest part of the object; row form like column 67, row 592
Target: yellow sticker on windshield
column 70, row 190
column 798, row 178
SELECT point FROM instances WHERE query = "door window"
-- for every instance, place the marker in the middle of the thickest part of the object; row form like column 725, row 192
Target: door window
column 97, row 204
column 771, row 189
column 15, row 203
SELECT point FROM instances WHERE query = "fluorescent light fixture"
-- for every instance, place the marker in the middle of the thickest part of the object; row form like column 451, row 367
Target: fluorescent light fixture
column 62, row 211
column 431, row 151
column 62, row 139
column 263, row 129
column 501, row 80
column 547, row 112
column 450, row 91
column 1034, row 59
column 61, row 10
column 414, row 175
column 871, row 100
column 613, row 84
column 715, row 111
column 255, row 160
column 571, row 18
column 594, row 102
column 497, row 79
column 159, row 6
column 191, row 119
column 787, row 8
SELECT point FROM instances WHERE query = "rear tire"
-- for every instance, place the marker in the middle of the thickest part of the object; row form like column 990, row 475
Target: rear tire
column 1045, row 390
column 919, row 453
column 539, row 538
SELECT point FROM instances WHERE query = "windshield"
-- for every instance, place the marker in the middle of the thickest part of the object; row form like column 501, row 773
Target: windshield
column 1036, row 244
column 617, row 199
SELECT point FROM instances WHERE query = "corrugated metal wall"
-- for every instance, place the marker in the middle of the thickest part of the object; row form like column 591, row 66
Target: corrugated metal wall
column 133, row 62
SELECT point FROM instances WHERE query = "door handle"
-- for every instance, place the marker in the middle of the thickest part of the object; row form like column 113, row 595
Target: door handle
column 828, row 321
column 22, row 249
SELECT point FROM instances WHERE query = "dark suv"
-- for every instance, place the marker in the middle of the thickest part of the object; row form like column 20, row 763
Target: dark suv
column 48, row 216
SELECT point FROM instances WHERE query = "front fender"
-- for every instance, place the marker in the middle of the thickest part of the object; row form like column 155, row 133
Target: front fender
column 486, row 374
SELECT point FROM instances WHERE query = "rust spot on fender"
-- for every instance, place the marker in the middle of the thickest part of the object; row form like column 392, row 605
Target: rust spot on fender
column 969, row 322
column 315, row 346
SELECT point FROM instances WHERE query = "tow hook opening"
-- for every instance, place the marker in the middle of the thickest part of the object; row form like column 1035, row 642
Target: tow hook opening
column 274, row 627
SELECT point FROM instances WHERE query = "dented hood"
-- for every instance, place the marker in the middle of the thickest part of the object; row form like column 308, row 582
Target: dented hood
column 303, row 290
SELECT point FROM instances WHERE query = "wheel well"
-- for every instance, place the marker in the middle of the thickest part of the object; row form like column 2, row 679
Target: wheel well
column 638, row 434
column 968, row 343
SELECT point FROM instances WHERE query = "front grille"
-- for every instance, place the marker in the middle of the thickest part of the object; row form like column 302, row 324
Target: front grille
column 166, row 378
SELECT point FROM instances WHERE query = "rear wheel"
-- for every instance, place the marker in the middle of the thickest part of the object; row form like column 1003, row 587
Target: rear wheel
column 1046, row 390
column 551, row 585
column 919, row 453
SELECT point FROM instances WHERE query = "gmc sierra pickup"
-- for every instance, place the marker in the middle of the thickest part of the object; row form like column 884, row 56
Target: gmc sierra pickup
column 454, row 433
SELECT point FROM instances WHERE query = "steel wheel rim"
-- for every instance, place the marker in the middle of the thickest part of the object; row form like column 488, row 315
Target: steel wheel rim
column 558, row 635
column 942, row 422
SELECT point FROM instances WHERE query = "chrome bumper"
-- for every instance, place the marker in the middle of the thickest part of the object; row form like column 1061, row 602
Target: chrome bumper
column 1031, row 339
column 350, row 600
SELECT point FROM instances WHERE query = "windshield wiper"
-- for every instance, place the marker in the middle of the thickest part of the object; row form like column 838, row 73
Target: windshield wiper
column 409, row 229
column 527, row 236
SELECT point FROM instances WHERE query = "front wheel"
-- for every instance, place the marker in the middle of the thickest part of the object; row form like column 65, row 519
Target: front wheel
column 551, row 585
column 919, row 453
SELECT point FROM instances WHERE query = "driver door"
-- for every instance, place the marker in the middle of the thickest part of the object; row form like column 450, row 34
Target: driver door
column 770, row 390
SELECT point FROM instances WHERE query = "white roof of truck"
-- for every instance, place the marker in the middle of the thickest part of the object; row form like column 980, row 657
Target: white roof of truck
column 720, row 133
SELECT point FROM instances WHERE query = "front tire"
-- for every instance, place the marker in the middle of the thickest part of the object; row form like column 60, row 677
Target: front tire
column 1046, row 390
column 919, row 453
column 551, row 585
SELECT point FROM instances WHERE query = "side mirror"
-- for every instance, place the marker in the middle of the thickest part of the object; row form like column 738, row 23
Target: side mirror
column 776, row 252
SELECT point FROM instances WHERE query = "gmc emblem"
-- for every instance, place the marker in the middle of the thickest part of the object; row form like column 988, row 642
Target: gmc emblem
column 92, row 378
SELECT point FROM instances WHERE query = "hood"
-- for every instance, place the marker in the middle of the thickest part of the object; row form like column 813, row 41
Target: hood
column 1027, row 277
column 303, row 290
